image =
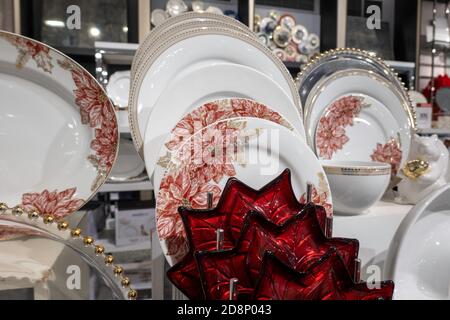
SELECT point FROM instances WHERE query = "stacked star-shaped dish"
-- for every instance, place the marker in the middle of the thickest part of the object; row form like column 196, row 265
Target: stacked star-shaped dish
column 264, row 244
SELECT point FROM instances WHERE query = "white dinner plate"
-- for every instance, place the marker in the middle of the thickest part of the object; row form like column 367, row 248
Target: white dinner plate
column 129, row 165
column 418, row 260
column 187, row 49
column 118, row 88
column 154, row 37
column 263, row 149
column 191, row 89
column 375, row 91
column 204, row 116
column 58, row 129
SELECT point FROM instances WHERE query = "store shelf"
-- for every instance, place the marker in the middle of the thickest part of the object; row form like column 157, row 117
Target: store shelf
column 127, row 186
column 142, row 285
column 112, row 248
column 439, row 132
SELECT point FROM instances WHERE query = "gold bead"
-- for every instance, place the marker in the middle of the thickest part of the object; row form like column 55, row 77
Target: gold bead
column 87, row 240
column 48, row 219
column 99, row 249
column 125, row 282
column 3, row 207
column 17, row 211
column 33, row 215
column 118, row 270
column 109, row 259
column 132, row 294
column 63, row 225
column 76, row 232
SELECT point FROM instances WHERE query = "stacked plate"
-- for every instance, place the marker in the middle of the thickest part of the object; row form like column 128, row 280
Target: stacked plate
column 208, row 101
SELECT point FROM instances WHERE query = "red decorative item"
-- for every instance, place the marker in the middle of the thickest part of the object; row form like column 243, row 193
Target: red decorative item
column 440, row 81
column 327, row 279
column 299, row 242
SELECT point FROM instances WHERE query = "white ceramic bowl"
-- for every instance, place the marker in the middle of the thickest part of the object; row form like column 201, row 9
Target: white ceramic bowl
column 356, row 185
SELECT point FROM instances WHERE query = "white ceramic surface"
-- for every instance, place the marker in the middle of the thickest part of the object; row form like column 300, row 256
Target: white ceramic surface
column 54, row 122
column 192, row 88
column 418, row 259
column 187, row 49
column 266, row 149
column 161, row 32
column 118, row 88
column 356, row 185
column 128, row 165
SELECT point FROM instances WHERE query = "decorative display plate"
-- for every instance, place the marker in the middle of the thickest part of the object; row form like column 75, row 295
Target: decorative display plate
column 177, row 22
column 253, row 150
column 212, row 82
column 129, row 166
column 329, row 62
column 58, row 129
column 417, row 259
column 118, row 88
column 206, row 115
column 185, row 51
column 357, row 115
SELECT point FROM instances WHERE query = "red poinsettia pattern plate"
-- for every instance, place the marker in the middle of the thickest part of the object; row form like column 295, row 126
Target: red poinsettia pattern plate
column 59, row 131
column 253, row 150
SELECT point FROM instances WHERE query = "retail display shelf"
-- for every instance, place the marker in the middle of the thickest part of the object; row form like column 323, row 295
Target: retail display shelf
column 142, row 285
column 112, row 248
column 438, row 131
column 127, row 186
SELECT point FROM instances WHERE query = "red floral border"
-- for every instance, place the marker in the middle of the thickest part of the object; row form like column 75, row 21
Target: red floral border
column 27, row 48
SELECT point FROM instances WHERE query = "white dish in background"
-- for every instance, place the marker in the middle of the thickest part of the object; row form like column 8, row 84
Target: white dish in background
column 186, row 49
column 191, row 89
column 158, row 17
column 389, row 118
column 118, row 88
column 265, row 150
column 418, row 260
column 58, row 129
column 128, row 165
column 356, row 185
column 176, row 7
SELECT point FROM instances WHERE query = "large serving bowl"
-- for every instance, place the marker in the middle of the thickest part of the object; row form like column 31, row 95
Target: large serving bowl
column 356, row 185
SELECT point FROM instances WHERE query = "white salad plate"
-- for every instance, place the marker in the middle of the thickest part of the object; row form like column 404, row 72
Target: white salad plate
column 205, row 115
column 418, row 260
column 190, row 90
column 186, row 50
column 129, row 165
column 160, row 32
column 253, row 150
column 118, row 88
column 58, row 129
column 357, row 115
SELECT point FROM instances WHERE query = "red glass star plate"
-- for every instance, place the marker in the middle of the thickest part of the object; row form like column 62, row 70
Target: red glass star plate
column 327, row 279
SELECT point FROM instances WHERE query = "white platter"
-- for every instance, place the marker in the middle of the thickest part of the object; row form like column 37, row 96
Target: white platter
column 58, row 129
column 191, row 89
column 129, row 165
column 118, row 88
column 264, row 150
column 418, row 260
column 186, row 49
column 377, row 135
column 160, row 32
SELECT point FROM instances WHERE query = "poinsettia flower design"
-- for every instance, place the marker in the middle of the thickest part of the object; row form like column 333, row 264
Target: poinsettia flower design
column 210, row 113
column 344, row 110
column 320, row 198
column 54, row 203
column 330, row 137
column 27, row 48
column 388, row 153
column 105, row 144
